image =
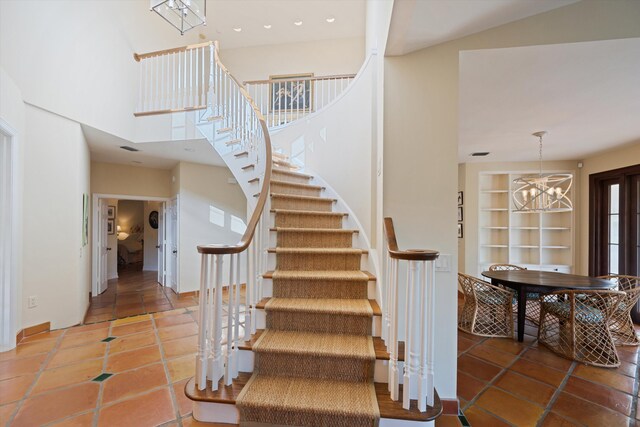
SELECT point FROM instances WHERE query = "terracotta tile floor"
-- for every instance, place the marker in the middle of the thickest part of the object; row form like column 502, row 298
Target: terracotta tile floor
column 55, row 382
column 134, row 292
column 505, row 383
column 50, row 379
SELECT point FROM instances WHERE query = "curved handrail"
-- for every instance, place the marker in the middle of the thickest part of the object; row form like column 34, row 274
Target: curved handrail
column 139, row 56
column 246, row 238
column 409, row 254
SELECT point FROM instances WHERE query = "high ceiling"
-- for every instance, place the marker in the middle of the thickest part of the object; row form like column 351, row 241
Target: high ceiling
column 586, row 95
column 417, row 24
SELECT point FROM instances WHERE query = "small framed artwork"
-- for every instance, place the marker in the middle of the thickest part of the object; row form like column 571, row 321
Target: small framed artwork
column 460, row 213
column 111, row 229
column 292, row 92
column 111, row 212
column 460, row 230
column 460, row 198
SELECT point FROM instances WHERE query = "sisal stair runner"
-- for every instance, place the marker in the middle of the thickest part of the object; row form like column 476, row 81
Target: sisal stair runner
column 314, row 362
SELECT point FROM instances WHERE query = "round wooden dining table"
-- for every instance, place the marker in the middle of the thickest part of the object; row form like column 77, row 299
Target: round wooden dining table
column 534, row 281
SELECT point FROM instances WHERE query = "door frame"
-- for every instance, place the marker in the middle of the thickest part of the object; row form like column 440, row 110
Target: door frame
column 11, row 247
column 95, row 253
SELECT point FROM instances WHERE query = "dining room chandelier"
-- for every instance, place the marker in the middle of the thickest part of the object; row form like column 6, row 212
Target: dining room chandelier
column 542, row 193
column 182, row 14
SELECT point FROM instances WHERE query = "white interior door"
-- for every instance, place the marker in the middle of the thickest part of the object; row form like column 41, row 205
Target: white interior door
column 8, row 303
column 161, row 244
column 103, row 246
column 172, row 243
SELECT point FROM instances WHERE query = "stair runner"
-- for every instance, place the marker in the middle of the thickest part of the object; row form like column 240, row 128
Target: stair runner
column 314, row 362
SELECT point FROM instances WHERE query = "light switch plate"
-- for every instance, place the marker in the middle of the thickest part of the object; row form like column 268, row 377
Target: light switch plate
column 443, row 263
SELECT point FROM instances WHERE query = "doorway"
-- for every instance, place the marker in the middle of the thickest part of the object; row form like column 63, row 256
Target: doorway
column 8, row 238
column 133, row 271
column 614, row 224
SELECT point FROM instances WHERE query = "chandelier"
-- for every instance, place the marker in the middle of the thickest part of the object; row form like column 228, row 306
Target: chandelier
column 542, row 193
column 182, row 14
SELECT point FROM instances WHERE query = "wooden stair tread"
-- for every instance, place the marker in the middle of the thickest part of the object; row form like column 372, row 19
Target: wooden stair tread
column 315, row 230
column 374, row 305
column 297, row 185
column 244, row 153
column 269, row 274
column 295, row 196
column 251, row 166
column 256, row 179
column 388, row 408
column 296, row 212
column 292, row 173
column 381, row 349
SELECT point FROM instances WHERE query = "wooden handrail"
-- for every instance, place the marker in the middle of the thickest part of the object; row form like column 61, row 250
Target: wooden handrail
column 139, row 56
column 333, row 77
column 244, row 242
column 409, row 254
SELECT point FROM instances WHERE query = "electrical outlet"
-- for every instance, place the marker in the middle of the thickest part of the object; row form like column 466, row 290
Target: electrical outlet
column 32, row 301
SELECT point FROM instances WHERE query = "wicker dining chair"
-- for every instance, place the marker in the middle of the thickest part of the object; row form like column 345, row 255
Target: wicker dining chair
column 487, row 309
column 620, row 324
column 574, row 324
column 532, row 312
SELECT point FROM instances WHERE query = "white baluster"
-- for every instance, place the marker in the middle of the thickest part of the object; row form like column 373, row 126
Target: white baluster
column 422, row 339
column 201, row 358
column 408, row 339
column 228, row 373
column 394, row 375
column 385, row 299
column 236, row 326
column 430, row 326
column 248, row 319
column 214, row 363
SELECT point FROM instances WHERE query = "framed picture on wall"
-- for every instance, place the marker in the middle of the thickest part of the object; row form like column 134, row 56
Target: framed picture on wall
column 293, row 92
column 460, row 213
column 111, row 229
column 460, row 231
column 111, row 212
column 460, row 198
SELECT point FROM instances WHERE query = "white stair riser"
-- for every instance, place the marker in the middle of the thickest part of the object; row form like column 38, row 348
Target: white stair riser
column 261, row 322
column 267, row 288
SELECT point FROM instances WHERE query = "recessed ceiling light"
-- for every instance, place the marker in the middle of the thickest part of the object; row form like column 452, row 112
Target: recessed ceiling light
column 237, row 29
column 298, row 23
column 268, row 27
column 136, row 162
column 128, row 148
column 331, row 19
column 480, row 154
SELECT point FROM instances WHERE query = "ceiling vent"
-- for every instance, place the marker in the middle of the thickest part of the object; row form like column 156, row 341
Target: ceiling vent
column 126, row 147
column 480, row 154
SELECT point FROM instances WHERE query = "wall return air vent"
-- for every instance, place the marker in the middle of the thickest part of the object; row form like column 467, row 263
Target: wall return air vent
column 480, row 154
column 126, row 147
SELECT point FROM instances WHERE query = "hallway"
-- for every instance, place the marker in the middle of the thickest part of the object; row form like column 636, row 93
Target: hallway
column 135, row 292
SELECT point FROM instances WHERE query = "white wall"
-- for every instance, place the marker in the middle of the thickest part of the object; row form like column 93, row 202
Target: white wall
column 57, row 266
column 72, row 58
column 204, row 191
column 150, row 237
column 326, row 57
column 421, row 137
column 12, row 112
column 336, row 143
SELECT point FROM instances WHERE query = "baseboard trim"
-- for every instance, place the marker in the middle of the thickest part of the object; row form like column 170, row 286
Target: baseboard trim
column 32, row 330
column 450, row 406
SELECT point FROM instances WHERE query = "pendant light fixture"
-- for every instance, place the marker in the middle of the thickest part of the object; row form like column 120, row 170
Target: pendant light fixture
column 542, row 193
column 182, row 14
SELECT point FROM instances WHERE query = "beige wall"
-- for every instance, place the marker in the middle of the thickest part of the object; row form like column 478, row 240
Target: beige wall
column 201, row 189
column 57, row 266
column 125, row 180
column 322, row 58
column 628, row 155
column 421, row 137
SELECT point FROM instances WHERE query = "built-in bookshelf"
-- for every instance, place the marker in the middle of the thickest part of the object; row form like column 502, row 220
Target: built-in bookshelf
column 540, row 241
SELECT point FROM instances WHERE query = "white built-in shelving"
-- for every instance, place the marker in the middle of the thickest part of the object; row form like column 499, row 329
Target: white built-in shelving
column 540, row 241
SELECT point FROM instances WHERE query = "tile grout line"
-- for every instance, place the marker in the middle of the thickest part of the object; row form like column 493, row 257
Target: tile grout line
column 172, row 393
column 46, row 361
column 98, row 407
column 557, row 392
